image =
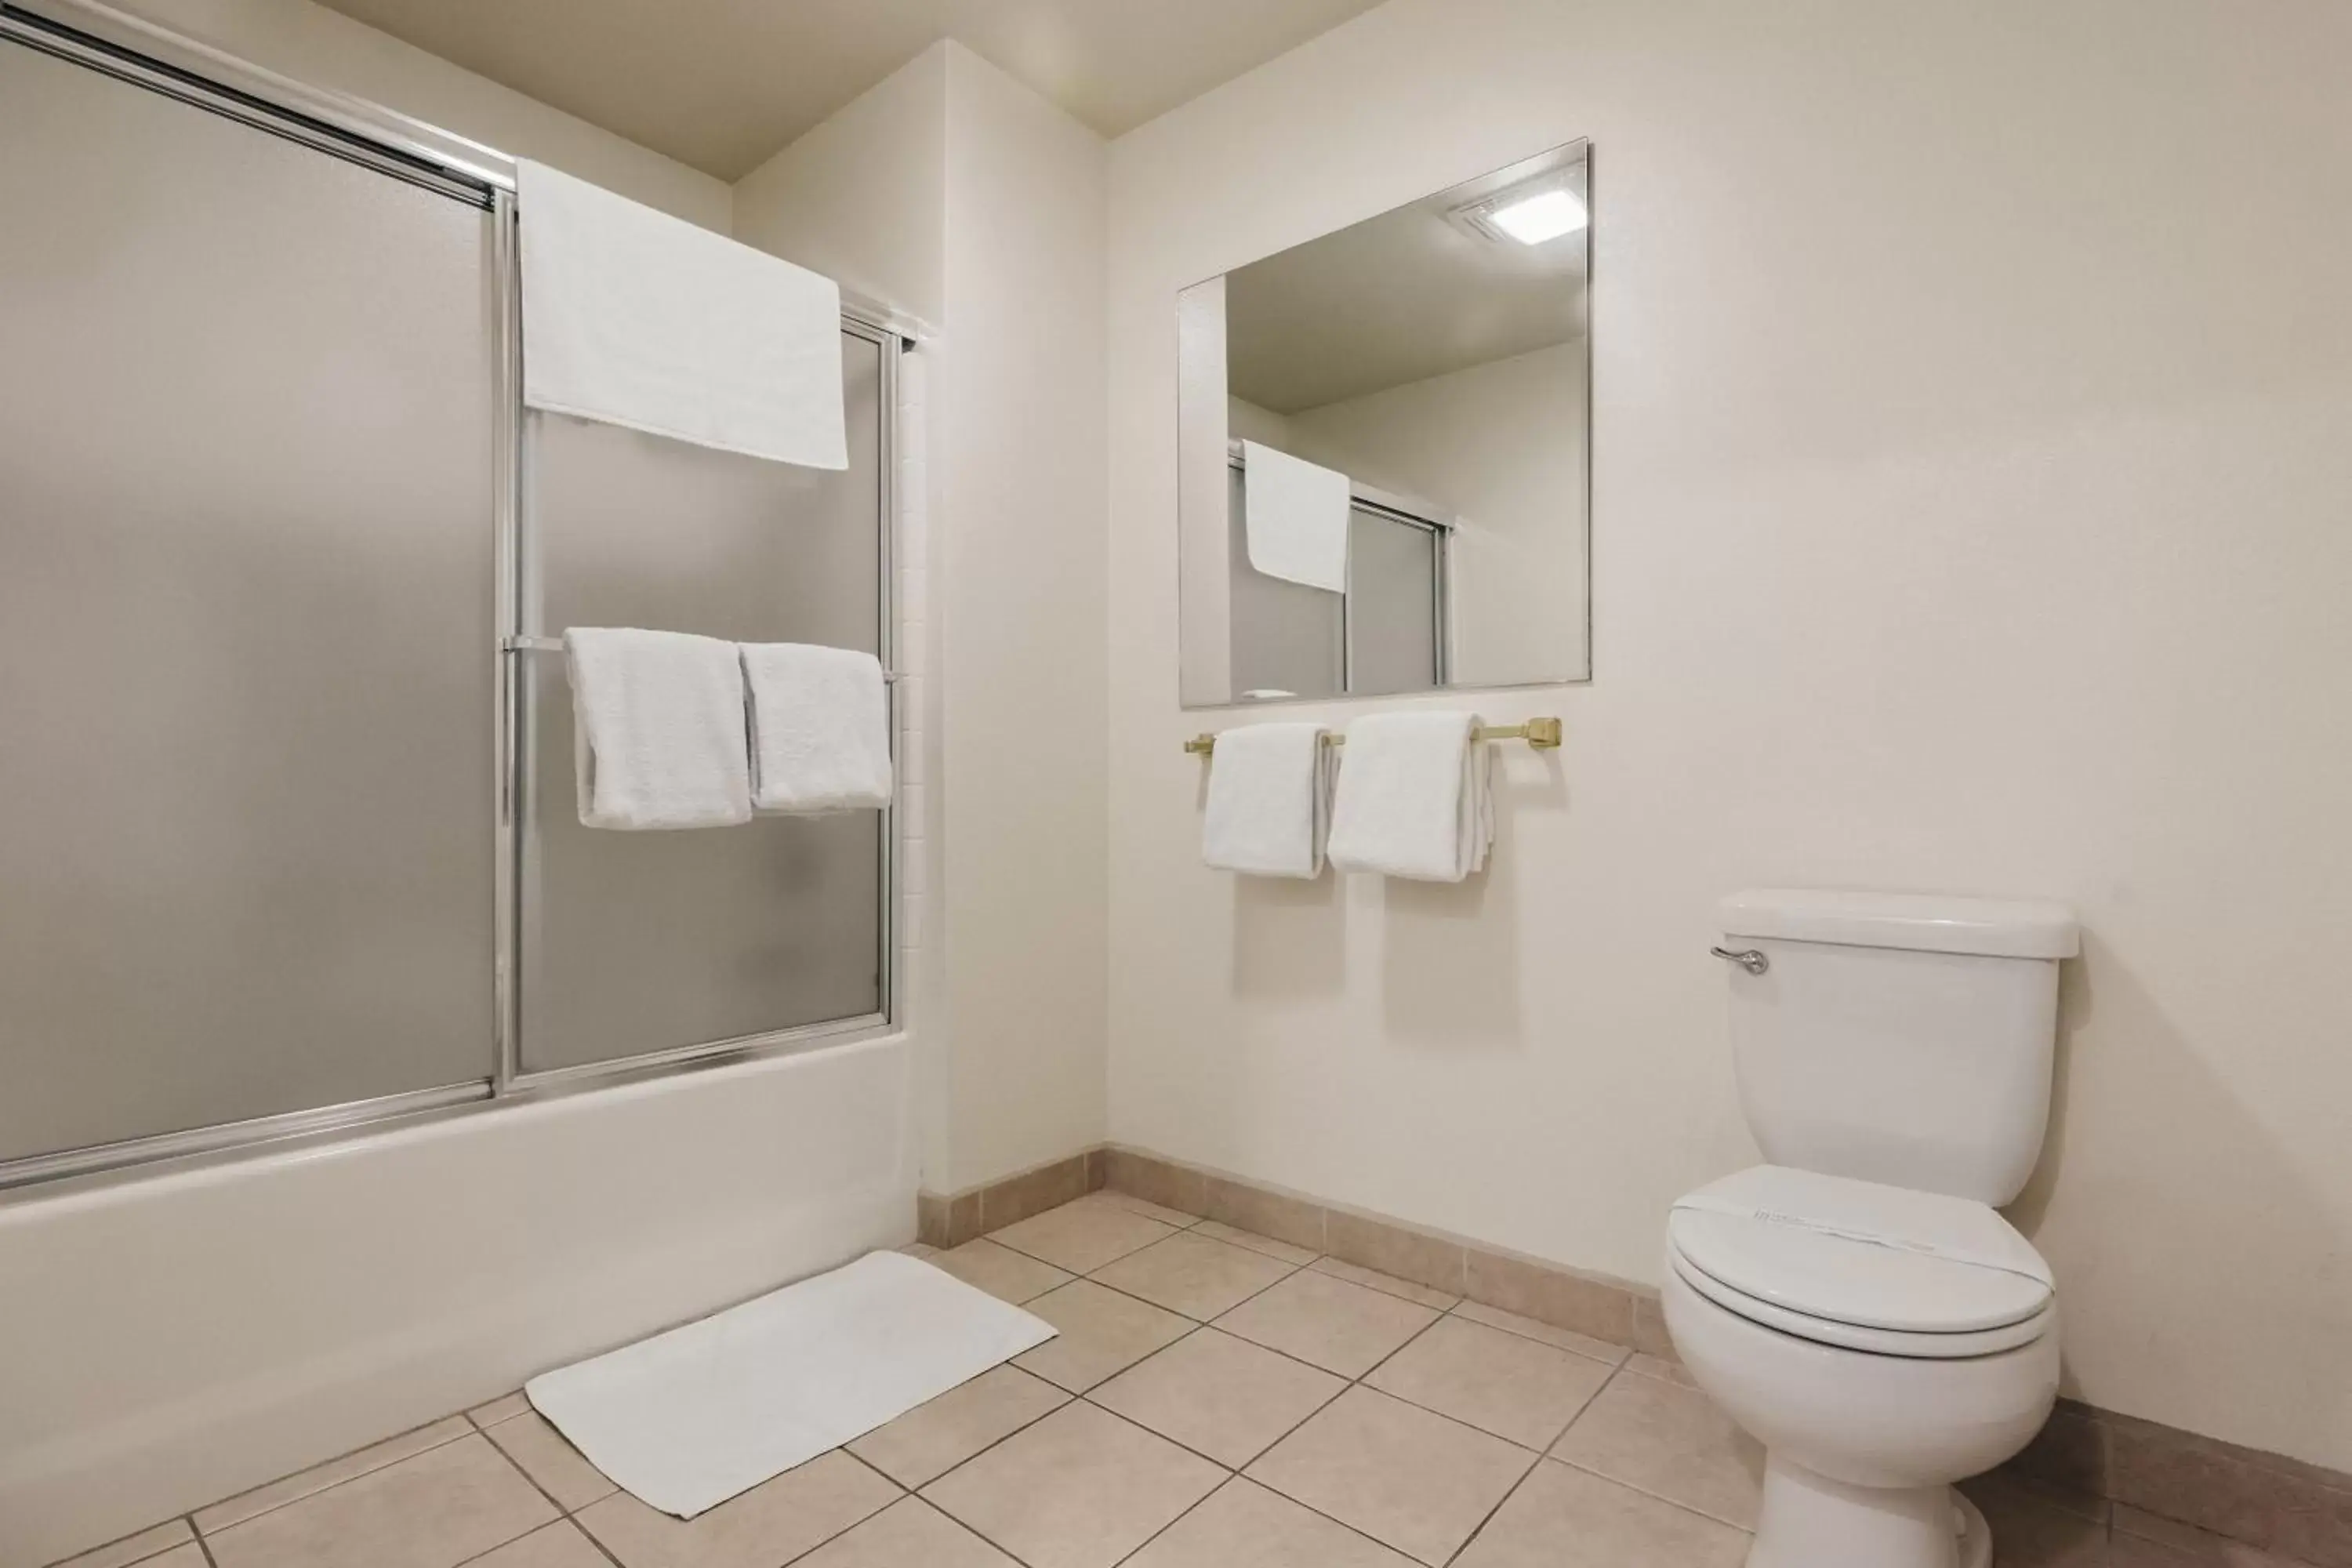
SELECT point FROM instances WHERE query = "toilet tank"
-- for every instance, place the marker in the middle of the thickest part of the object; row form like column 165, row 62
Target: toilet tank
column 1897, row 1038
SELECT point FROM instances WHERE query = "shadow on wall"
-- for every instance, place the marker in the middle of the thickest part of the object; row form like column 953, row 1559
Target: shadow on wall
column 2197, row 1275
column 1450, row 952
column 1290, row 939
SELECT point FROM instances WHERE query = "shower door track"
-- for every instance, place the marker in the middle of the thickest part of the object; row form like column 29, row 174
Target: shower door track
column 88, row 34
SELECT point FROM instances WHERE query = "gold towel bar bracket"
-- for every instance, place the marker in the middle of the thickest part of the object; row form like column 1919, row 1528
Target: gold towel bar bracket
column 1543, row 734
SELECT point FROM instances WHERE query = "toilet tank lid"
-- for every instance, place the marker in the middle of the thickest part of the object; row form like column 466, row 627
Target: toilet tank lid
column 1922, row 922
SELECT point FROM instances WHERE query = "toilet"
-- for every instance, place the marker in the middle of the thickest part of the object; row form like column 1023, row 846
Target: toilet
column 1858, row 1304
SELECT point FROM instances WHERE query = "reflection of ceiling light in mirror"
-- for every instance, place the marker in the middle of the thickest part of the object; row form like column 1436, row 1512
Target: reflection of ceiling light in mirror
column 1546, row 216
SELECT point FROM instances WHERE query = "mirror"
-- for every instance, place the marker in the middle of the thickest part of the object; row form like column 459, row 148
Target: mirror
column 1383, row 440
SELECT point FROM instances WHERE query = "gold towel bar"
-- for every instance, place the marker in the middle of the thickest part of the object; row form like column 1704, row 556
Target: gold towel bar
column 1543, row 734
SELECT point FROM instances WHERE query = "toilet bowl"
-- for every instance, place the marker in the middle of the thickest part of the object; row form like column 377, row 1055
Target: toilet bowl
column 1865, row 1425
column 1858, row 1304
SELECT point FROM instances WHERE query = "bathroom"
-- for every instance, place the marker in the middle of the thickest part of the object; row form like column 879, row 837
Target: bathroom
column 1957, row 476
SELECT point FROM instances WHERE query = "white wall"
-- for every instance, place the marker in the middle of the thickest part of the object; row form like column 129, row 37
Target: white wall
column 1020, row 431
column 1499, row 447
column 324, row 48
column 861, row 197
column 1971, row 395
column 954, row 192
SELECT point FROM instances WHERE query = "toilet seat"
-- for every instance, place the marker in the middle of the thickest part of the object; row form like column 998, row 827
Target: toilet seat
column 1947, row 1346
column 1861, row 1265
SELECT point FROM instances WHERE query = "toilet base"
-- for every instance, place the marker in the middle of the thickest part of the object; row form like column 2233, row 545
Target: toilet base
column 1807, row 1521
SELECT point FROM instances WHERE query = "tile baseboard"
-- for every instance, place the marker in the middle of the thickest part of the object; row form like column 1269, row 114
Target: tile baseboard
column 951, row 1219
column 1592, row 1304
column 2110, row 1464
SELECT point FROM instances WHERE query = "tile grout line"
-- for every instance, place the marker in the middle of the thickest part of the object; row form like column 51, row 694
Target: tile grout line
column 562, row 1514
column 1360, row 1379
column 1748, row 1530
column 203, row 1546
column 1488, row 1517
column 890, row 1482
column 471, row 1431
column 1541, row 1454
column 1196, row 1325
column 1534, row 1457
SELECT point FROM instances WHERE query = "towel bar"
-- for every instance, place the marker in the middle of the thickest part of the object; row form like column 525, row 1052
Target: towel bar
column 555, row 645
column 1543, row 734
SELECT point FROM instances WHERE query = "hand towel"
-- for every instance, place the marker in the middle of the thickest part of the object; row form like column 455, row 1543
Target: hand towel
column 820, row 728
column 1267, row 801
column 1295, row 516
column 636, row 318
column 1414, row 797
column 657, row 728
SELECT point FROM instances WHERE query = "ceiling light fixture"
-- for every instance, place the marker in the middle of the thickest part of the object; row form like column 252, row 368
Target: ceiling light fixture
column 1536, row 218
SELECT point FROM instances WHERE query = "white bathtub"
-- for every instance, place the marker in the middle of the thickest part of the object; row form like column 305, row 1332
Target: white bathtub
column 167, row 1341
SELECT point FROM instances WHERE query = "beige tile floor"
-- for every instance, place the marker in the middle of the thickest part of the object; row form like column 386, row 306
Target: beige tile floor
column 1215, row 1400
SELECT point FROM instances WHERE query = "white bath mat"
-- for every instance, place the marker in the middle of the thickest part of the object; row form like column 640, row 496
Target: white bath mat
column 688, row 1418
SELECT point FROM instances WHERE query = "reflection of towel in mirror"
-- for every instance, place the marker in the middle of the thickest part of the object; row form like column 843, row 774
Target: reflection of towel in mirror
column 1267, row 801
column 1296, row 517
column 1415, row 797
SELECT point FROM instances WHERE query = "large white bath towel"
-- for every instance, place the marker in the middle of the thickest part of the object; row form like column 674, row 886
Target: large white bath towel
column 820, row 728
column 1267, row 803
column 636, row 318
column 1414, row 797
column 657, row 728
column 689, row 1419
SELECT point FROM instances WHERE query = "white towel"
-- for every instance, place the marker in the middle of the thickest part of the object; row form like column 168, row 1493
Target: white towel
column 820, row 728
column 636, row 318
column 1295, row 515
column 657, row 728
column 1267, row 798
column 1414, row 797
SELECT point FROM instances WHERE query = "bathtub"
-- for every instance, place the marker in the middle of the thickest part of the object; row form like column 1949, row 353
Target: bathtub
column 171, row 1340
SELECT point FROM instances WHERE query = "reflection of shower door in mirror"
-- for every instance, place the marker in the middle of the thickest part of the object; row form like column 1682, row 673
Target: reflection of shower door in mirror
column 635, row 944
column 1386, row 635
column 1395, row 602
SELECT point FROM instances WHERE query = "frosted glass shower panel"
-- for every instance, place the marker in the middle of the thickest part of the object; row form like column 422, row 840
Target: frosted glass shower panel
column 638, row 943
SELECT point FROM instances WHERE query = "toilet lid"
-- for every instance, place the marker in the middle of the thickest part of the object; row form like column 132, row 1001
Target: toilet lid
column 1860, row 1253
column 1876, row 1341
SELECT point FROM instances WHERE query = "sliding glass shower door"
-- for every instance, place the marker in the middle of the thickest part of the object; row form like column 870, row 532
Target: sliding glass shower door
column 640, row 942
column 246, row 579
column 288, row 832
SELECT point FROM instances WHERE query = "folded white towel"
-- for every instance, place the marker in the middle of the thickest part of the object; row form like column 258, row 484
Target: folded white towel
column 1414, row 797
column 636, row 318
column 657, row 727
column 1267, row 801
column 820, row 728
column 1295, row 516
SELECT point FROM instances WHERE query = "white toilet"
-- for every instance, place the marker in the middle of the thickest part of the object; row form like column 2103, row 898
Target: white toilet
column 1857, row 1304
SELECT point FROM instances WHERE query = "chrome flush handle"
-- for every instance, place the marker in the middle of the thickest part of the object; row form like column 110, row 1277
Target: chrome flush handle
column 1749, row 959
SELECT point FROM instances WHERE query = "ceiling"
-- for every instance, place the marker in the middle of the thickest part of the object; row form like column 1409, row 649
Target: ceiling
column 1402, row 297
column 722, row 84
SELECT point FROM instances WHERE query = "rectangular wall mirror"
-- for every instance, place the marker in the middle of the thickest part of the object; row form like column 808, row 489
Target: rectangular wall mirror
column 1384, row 448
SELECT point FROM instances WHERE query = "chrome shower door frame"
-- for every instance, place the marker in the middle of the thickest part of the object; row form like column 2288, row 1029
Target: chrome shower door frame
column 88, row 34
